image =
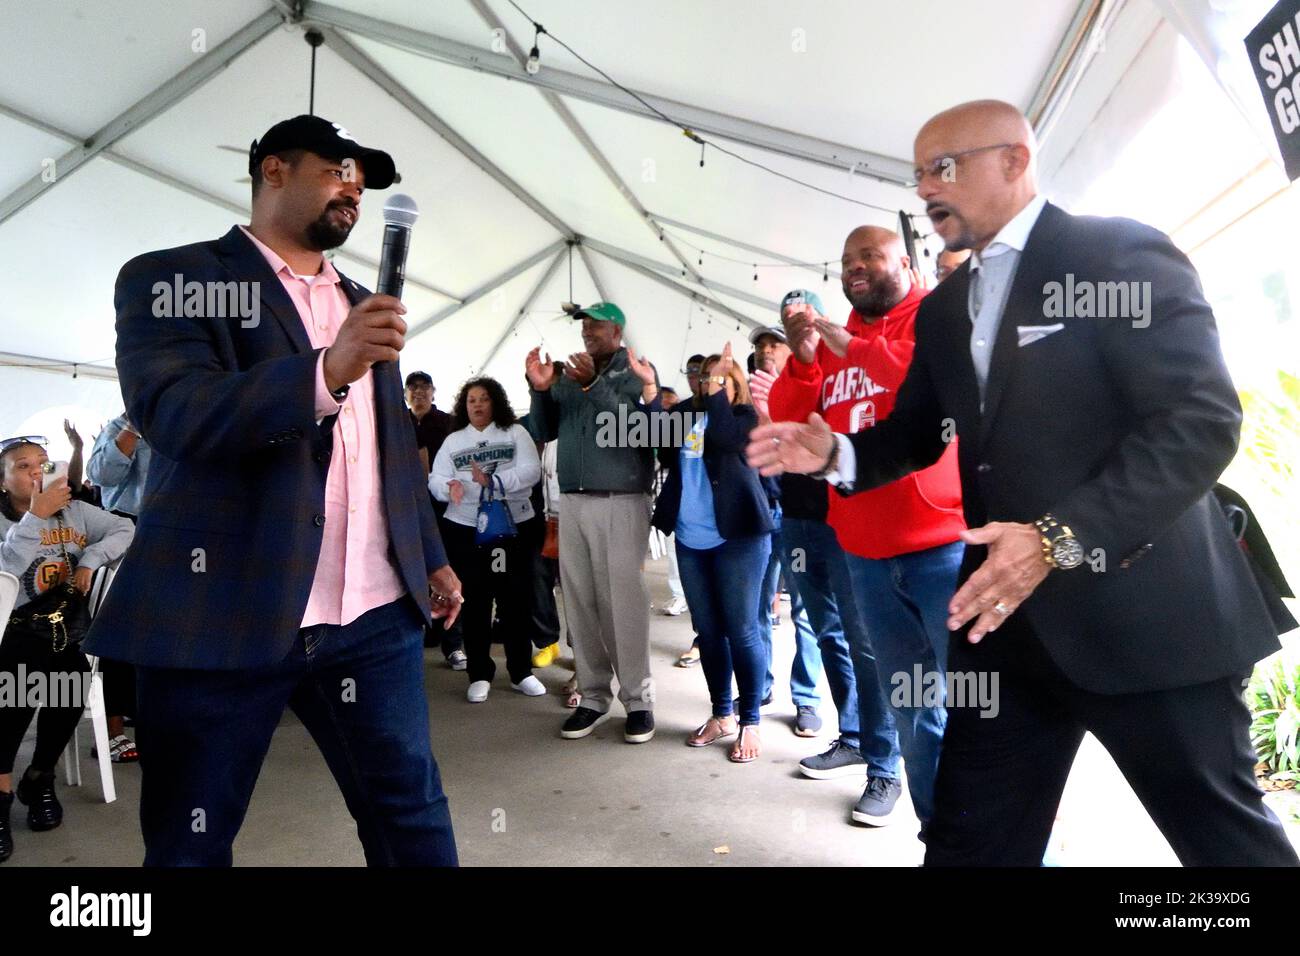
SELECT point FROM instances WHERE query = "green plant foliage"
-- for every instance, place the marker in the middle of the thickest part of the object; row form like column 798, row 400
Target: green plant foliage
column 1274, row 700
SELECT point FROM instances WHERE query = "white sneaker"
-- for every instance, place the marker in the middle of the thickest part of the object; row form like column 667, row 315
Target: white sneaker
column 457, row 660
column 478, row 691
column 675, row 607
column 530, row 686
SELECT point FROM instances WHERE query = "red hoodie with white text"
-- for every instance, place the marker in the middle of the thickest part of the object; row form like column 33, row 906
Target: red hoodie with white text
column 918, row 511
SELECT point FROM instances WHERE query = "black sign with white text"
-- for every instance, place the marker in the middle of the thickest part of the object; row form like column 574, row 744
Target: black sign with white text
column 1274, row 51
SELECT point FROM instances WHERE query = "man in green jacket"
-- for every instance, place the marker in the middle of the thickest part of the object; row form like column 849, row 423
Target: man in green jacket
column 605, row 520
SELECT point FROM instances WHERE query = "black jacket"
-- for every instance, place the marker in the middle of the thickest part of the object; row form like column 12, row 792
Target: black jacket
column 740, row 502
column 238, row 471
column 1117, row 428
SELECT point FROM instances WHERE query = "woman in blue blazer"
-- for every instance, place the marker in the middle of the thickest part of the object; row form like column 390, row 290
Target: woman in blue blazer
column 715, row 504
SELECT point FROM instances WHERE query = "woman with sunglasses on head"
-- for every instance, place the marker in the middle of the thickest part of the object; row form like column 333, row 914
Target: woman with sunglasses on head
column 46, row 540
column 715, row 504
column 489, row 448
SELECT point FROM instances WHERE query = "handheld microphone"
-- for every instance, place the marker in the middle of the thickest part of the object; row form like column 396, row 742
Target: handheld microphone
column 400, row 213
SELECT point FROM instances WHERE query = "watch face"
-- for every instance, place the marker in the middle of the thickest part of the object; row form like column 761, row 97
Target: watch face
column 1067, row 553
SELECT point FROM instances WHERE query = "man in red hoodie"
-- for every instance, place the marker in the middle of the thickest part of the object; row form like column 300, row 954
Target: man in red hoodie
column 902, row 540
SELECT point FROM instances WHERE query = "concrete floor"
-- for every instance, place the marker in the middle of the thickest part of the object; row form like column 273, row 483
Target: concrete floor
column 521, row 796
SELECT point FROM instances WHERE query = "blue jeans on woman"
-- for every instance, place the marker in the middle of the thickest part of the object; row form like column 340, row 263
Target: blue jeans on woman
column 722, row 586
column 806, row 667
column 905, row 607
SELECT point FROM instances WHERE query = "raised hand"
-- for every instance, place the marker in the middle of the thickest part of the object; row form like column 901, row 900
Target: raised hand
column 760, row 389
column 641, row 368
column 73, row 438
column 801, row 332
column 541, row 374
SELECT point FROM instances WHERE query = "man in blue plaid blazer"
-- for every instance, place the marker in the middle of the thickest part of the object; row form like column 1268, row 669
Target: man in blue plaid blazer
column 238, row 600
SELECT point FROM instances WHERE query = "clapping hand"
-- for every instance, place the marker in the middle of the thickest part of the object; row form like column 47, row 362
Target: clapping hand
column 801, row 331
column 641, row 368
column 455, row 491
column 581, row 368
column 760, row 389
column 836, row 337
column 480, row 476
column 541, row 375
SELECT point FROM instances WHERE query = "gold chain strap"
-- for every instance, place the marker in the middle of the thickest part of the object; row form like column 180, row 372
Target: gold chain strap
column 58, row 629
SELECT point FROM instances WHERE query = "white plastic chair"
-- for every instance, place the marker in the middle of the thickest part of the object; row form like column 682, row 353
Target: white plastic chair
column 94, row 705
column 8, row 597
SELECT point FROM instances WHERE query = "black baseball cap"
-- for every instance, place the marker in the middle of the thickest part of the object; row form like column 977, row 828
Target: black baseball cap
column 419, row 378
column 329, row 140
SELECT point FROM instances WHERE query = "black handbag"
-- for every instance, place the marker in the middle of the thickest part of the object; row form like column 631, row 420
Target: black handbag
column 60, row 616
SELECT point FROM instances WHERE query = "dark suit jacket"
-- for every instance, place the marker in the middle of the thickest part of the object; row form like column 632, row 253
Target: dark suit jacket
column 1119, row 431
column 238, row 471
column 740, row 502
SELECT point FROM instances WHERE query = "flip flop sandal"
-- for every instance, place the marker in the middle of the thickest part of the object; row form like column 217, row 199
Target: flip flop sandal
column 701, row 737
column 688, row 659
column 733, row 756
column 121, row 749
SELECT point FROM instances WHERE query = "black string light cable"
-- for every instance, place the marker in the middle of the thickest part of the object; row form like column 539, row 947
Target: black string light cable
column 689, row 133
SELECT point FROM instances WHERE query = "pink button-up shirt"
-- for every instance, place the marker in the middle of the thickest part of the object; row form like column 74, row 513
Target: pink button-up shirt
column 353, row 573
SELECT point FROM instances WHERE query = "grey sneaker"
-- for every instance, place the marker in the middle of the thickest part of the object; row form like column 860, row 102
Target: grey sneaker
column 876, row 805
column 807, row 722
column 839, row 760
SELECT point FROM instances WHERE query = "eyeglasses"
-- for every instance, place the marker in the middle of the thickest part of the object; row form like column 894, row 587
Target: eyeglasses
column 940, row 165
column 7, row 443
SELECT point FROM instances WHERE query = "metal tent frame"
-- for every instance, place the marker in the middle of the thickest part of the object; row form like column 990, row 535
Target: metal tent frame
column 552, row 84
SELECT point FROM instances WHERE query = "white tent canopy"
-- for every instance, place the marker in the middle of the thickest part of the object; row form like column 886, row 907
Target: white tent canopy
column 533, row 189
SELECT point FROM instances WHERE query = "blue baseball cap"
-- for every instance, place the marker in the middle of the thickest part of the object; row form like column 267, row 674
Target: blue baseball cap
column 800, row 296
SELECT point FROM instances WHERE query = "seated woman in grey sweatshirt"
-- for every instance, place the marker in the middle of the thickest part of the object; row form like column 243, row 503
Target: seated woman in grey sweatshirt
column 37, row 526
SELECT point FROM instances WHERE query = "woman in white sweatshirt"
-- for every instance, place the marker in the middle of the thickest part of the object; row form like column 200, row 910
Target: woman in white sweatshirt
column 488, row 443
column 39, row 526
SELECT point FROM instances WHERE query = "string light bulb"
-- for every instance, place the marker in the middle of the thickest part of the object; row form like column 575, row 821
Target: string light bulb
column 534, row 63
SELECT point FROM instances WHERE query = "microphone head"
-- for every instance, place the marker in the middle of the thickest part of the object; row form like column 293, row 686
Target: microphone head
column 401, row 210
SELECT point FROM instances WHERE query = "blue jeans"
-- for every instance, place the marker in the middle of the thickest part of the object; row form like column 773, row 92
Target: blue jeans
column 359, row 691
column 807, row 550
column 905, row 606
column 806, row 667
column 879, row 738
column 722, row 586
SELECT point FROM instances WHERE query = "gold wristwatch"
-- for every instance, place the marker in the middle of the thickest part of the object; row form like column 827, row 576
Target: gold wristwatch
column 1061, row 549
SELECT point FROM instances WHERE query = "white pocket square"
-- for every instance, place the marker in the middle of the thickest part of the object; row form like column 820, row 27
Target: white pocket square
column 1032, row 333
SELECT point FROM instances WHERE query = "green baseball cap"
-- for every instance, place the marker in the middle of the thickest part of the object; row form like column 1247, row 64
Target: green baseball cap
column 603, row 312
